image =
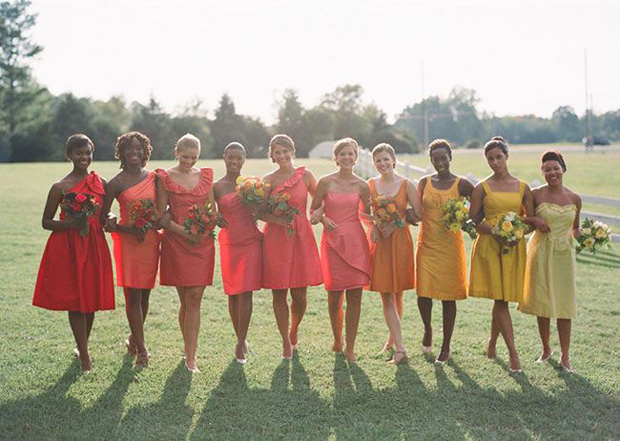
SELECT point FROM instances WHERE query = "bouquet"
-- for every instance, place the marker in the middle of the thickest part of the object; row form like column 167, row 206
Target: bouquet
column 594, row 235
column 79, row 206
column 385, row 211
column 142, row 216
column 456, row 216
column 510, row 228
column 251, row 190
column 200, row 219
column 278, row 204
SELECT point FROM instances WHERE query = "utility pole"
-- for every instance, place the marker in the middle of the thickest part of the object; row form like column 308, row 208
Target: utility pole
column 588, row 135
column 424, row 113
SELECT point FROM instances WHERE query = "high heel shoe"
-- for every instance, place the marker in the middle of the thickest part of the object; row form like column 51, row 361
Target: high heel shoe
column 438, row 361
column 403, row 359
column 142, row 361
column 193, row 370
column 426, row 349
column 542, row 359
column 569, row 369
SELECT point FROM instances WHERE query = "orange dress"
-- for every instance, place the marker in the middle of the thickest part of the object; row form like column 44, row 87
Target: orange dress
column 241, row 247
column 136, row 262
column 345, row 257
column 291, row 261
column 76, row 271
column 392, row 259
column 441, row 265
column 183, row 263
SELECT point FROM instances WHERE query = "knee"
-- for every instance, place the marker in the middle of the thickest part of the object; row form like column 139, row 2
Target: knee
column 193, row 299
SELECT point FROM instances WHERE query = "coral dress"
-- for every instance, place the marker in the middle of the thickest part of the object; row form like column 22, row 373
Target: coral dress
column 550, row 268
column 441, row 265
column 76, row 271
column 392, row 259
column 497, row 271
column 136, row 262
column 183, row 263
column 241, row 247
column 291, row 261
column 345, row 256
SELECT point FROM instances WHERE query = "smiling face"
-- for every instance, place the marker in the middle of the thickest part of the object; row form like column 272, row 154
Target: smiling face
column 440, row 158
column 187, row 157
column 134, row 153
column 346, row 157
column 234, row 160
column 81, row 157
column 497, row 159
column 281, row 155
column 384, row 163
column 553, row 172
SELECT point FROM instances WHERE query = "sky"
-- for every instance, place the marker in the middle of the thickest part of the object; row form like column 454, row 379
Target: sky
column 522, row 57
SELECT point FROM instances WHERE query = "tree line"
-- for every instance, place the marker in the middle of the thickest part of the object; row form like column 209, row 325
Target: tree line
column 34, row 123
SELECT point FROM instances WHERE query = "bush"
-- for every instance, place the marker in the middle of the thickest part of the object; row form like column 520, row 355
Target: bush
column 473, row 144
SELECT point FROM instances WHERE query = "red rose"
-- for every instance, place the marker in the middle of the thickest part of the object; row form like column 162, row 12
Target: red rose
column 140, row 222
column 80, row 198
column 75, row 206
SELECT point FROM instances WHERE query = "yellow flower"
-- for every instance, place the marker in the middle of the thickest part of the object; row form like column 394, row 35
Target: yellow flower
column 239, row 180
column 391, row 208
column 259, row 192
column 600, row 234
column 586, row 231
column 455, row 227
column 507, row 226
column 460, row 216
column 589, row 242
column 518, row 234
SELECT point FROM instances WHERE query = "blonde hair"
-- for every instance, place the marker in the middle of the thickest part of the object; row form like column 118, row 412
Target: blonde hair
column 384, row 147
column 342, row 143
column 281, row 140
column 187, row 141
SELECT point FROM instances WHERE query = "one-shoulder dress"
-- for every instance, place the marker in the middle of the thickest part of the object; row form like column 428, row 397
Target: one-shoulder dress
column 497, row 271
column 241, row 247
column 291, row 261
column 550, row 269
column 76, row 271
column 345, row 256
column 441, row 265
column 392, row 258
column 184, row 263
column 136, row 261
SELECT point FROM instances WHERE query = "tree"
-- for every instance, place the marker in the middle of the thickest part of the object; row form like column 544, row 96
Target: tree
column 17, row 89
column 227, row 125
column 154, row 123
column 566, row 124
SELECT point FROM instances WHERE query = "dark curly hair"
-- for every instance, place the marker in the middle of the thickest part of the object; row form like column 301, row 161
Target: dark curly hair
column 124, row 140
column 497, row 142
column 440, row 144
column 554, row 155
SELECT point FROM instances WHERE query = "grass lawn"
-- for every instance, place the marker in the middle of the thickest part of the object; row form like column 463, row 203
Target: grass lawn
column 317, row 395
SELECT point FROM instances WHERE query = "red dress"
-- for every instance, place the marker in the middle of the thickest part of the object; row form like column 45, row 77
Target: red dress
column 183, row 263
column 241, row 247
column 136, row 262
column 345, row 256
column 76, row 271
column 291, row 261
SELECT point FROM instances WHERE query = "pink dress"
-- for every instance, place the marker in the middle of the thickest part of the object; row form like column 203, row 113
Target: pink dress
column 76, row 271
column 136, row 262
column 241, row 247
column 183, row 263
column 345, row 256
column 291, row 261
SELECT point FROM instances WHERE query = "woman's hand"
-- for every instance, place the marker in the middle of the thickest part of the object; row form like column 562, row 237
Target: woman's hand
column 387, row 229
column 110, row 223
column 164, row 221
column 328, row 223
column 374, row 234
column 73, row 223
column 221, row 221
column 410, row 216
column 316, row 217
column 540, row 225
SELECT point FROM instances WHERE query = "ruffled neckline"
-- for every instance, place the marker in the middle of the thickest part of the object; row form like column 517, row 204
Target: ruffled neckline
column 94, row 183
column 292, row 181
column 557, row 207
column 206, row 179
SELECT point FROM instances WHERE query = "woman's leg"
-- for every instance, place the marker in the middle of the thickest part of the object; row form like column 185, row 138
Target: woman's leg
column 449, row 317
column 280, row 310
column 336, row 317
column 352, row 319
column 501, row 316
column 298, row 309
column 544, row 325
column 393, row 323
column 564, row 330
column 425, row 306
column 133, row 309
column 79, row 326
column 244, row 314
column 491, row 347
column 389, row 343
column 191, row 326
column 182, row 309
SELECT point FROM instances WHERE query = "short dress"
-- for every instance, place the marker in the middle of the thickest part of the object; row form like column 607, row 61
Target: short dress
column 550, row 269
column 241, row 247
column 184, row 263
column 291, row 261
column 136, row 261
column 345, row 256
column 75, row 273
column 497, row 271
column 441, row 265
column 392, row 259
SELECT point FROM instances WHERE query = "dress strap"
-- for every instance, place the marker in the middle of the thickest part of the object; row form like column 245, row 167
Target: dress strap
column 486, row 187
column 521, row 189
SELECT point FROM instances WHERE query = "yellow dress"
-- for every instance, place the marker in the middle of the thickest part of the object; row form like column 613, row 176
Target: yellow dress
column 441, row 265
column 550, row 268
column 497, row 271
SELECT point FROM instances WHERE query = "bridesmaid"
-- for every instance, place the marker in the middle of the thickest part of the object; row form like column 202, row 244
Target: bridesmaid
column 391, row 248
column 75, row 274
column 345, row 257
column 186, row 265
column 497, row 268
column 439, row 249
column 136, row 255
column 241, row 252
column 550, row 268
column 290, row 262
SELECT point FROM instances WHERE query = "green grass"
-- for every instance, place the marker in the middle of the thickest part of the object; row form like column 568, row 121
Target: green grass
column 317, row 395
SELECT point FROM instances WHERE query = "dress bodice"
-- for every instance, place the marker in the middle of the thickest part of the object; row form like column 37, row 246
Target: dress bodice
column 498, row 203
